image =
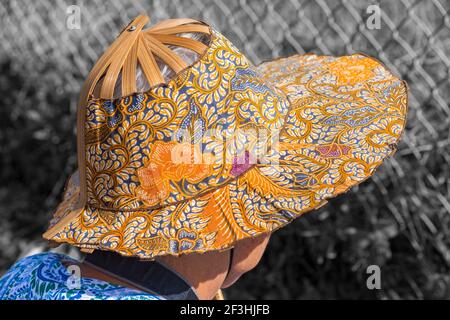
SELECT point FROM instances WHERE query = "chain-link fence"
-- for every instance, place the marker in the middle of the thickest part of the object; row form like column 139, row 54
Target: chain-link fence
column 399, row 219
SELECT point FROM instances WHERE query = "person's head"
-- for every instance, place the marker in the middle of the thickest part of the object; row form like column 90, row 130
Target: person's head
column 141, row 200
column 210, row 271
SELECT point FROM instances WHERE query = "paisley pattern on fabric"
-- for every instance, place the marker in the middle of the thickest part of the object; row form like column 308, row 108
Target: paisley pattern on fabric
column 169, row 165
column 346, row 115
column 221, row 93
column 45, row 277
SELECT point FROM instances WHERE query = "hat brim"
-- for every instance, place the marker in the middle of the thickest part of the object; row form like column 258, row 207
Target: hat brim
column 346, row 116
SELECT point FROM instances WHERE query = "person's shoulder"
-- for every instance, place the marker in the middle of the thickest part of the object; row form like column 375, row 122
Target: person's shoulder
column 31, row 262
column 15, row 283
column 39, row 258
column 45, row 276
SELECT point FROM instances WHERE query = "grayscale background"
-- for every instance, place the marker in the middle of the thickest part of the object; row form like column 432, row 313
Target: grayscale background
column 398, row 220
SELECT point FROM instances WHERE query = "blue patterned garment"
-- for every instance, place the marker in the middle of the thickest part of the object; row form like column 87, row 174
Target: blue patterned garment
column 44, row 276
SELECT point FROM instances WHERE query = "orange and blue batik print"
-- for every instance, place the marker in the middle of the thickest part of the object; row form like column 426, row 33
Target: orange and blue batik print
column 335, row 119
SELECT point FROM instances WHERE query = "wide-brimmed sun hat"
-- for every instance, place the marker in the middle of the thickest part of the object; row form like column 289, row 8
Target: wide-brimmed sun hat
column 215, row 150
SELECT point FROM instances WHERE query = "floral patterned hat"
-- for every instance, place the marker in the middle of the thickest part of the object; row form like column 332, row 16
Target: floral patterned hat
column 184, row 146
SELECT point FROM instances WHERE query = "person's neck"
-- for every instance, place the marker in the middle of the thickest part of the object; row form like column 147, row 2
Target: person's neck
column 206, row 272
